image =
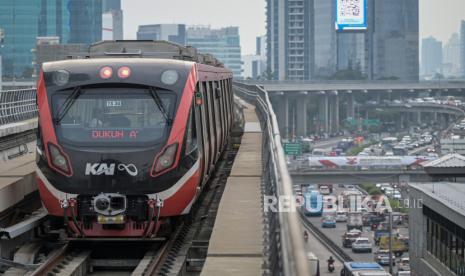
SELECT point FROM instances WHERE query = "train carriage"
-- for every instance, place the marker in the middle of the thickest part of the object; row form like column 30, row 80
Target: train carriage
column 128, row 135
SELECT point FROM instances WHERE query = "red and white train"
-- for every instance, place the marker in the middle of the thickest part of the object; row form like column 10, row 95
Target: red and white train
column 129, row 135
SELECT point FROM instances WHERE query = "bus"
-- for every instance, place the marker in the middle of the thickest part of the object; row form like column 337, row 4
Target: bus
column 365, row 269
column 313, row 204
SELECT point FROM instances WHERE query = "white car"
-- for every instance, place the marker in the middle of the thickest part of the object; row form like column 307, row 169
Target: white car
column 362, row 245
column 324, row 190
column 341, row 216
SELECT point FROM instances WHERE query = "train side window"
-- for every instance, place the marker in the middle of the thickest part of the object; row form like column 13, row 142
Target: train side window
column 191, row 134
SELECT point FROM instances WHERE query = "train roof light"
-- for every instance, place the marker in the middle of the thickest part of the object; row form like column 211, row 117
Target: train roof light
column 169, row 77
column 106, row 72
column 61, row 77
column 124, row 72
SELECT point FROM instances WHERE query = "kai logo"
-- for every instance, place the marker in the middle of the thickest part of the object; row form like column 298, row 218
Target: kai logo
column 109, row 169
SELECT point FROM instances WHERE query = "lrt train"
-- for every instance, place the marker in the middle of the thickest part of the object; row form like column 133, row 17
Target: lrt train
column 128, row 136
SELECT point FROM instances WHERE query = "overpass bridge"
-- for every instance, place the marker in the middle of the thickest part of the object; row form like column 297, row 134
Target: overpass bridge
column 334, row 101
column 357, row 177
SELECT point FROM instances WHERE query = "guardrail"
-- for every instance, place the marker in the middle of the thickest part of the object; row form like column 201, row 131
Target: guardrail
column 17, row 105
column 285, row 253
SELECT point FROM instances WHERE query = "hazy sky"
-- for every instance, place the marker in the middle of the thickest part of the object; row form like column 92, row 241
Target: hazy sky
column 439, row 18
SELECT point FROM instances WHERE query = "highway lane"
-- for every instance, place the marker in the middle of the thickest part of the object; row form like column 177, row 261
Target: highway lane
column 335, row 234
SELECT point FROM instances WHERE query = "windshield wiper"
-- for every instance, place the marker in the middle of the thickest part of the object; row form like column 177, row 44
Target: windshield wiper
column 161, row 107
column 67, row 104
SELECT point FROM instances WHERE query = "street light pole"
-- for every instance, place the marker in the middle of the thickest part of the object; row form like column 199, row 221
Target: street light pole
column 390, row 243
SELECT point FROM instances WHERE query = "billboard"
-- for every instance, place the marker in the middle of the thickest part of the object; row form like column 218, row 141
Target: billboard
column 351, row 15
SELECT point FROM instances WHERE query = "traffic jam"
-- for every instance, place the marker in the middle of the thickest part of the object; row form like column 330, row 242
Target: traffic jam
column 358, row 221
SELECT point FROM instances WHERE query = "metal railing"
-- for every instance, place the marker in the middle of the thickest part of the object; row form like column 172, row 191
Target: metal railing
column 17, row 105
column 284, row 245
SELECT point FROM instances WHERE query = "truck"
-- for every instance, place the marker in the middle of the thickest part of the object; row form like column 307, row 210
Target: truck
column 354, row 221
column 399, row 246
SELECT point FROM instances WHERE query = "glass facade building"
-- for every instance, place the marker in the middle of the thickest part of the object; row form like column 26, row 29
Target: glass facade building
column 73, row 21
column 19, row 20
column 395, row 50
column 223, row 43
column 85, row 21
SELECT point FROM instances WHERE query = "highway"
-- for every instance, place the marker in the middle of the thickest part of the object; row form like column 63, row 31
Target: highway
column 335, row 234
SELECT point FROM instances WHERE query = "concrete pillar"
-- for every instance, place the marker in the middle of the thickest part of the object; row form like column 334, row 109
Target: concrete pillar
column 334, row 114
column 402, row 116
column 350, row 106
column 283, row 115
column 323, row 110
column 435, row 117
column 419, row 117
column 301, row 126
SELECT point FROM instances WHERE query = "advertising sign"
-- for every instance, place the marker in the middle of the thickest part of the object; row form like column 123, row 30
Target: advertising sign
column 351, row 15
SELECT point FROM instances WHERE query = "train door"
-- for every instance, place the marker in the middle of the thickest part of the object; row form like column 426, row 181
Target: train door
column 211, row 110
column 218, row 116
column 202, row 132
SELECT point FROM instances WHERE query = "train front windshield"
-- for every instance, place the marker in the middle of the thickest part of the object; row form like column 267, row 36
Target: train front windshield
column 113, row 116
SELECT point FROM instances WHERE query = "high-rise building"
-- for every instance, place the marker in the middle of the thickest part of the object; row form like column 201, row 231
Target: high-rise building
column 395, row 51
column 85, row 21
column 387, row 49
column 336, row 51
column 222, row 43
column 290, row 39
column 23, row 21
column 112, row 25
column 72, row 21
column 170, row 32
column 254, row 66
column 112, row 20
column 462, row 48
column 451, row 56
column 431, row 56
column 111, row 5
column 19, row 19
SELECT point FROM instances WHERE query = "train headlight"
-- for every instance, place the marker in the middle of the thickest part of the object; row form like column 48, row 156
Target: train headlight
column 59, row 160
column 166, row 159
column 61, row 77
column 169, row 77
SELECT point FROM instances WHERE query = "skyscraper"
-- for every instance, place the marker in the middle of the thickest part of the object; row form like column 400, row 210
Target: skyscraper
column 170, row 32
column 394, row 51
column 222, row 43
column 303, row 42
column 290, row 39
column 23, row 21
column 431, row 56
column 85, row 21
column 112, row 20
column 451, row 56
column 111, row 5
column 462, row 48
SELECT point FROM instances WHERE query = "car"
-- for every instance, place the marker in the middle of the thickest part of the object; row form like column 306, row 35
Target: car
column 328, row 222
column 324, row 190
column 349, row 237
column 396, row 195
column 382, row 257
column 341, row 216
column 403, row 273
column 362, row 245
column 404, row 264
